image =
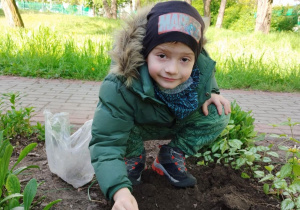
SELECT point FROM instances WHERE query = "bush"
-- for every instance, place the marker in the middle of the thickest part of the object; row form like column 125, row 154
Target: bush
column 16, row 121
column 236, row 145
column 281, row 22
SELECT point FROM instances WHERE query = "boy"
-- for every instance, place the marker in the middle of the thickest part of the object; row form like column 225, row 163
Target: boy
column 161, row 86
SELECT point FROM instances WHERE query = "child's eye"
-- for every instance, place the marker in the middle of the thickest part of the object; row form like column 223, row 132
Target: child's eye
column 161, row 55
column 185, row 59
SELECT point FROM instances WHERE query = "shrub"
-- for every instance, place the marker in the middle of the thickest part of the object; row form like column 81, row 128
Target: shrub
column 281, row 22
column 16, row 121
column 236, row 145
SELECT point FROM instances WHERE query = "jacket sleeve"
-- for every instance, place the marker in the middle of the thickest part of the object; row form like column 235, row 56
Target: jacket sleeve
column 110, row 130
column 214, row 84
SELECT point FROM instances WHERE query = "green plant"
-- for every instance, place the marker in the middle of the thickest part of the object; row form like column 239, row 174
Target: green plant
column 10, row 188
column 286, row 181
column 281, row 21
column 16, row 121
column 236, row 144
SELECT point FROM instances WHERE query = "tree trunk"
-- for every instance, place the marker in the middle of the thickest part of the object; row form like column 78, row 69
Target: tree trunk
column 114, row 8
column 131, row 5
column 137, row 5
column 106, row 9
column 206, row 4
column 263, row 18
column 221, row 14
column 12, row 13
column 189, row 2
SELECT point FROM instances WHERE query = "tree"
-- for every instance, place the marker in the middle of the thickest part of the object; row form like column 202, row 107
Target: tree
column 114, row 8
column 206, row 4
column 263, row 16
column 137, row 5
column 221, row 14
column 11, row 13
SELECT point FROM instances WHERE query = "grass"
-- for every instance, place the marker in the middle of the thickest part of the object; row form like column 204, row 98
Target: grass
column 76, row 47
column 256, row 61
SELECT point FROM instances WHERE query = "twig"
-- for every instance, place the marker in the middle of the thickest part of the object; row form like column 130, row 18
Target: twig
column 33, row 154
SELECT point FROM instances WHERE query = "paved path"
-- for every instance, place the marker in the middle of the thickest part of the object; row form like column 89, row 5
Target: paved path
column 79, row 99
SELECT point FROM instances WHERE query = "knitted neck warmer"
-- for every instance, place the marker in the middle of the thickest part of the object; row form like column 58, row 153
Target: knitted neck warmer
column 183, row 99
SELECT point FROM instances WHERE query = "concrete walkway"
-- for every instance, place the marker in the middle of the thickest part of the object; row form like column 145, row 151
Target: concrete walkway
column 79, row 99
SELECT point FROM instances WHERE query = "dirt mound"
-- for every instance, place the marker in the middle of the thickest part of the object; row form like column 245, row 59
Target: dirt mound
column 219, row 188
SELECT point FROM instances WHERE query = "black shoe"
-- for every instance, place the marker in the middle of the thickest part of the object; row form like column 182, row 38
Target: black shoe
column 135, row 167
column 171, row 162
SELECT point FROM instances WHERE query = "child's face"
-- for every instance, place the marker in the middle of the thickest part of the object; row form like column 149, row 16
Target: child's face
column 170, row 64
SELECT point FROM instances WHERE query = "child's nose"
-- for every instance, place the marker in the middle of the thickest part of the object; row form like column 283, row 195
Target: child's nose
column 172, row 68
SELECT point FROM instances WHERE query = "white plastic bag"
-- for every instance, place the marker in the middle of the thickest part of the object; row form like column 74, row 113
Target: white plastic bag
column 68, row 155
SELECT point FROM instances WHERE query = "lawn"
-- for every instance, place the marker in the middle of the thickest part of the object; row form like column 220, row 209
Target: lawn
column 76, row 47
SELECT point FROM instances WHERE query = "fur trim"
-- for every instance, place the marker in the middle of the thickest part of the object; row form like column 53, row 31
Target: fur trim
column 126, row 54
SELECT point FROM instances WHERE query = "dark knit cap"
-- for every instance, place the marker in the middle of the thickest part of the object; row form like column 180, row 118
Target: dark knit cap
column 173, row 21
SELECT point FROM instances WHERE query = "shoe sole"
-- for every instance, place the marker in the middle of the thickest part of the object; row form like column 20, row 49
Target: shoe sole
column 158, row 168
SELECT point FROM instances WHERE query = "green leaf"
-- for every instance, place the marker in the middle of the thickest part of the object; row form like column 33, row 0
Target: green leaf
column 201, row 163
column 235, row 143
column 4, row 163
column 269, row 167
column 280, row 184
column 286, row 170
column 207, row 153
column 284, row 148
column 262, row 148
column 224, row 132
column 29, row 193
column 240, row 162
column 253, row 150
column 24, row 153
column 266, row 188
column 3, row 147
column 217, row 155
column 274, row 154
column 19, row 170
column 12, row 184
column 260, row 137
column 10, row 197
column 229, row 127
column 295, row 140
column 296, row 170
column 267, row 177
column 223, row 146
column 51, row 204
column 295, row 186
column 287, row 204
column 297, row 202
column 266, row 160
column 245, row 176
column 215, row 147
column 13, row 203
column 259, row 174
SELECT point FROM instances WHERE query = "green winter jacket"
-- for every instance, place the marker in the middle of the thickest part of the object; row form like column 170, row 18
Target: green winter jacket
column 126, row 99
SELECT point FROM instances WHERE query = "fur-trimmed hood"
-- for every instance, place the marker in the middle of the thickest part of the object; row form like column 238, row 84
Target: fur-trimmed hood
column 126, row 54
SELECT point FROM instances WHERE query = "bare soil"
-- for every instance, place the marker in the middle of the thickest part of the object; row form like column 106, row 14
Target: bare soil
column 219, row 187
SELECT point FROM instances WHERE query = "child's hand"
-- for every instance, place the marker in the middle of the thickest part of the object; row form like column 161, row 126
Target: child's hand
column 218, row 101
column 124, row 200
